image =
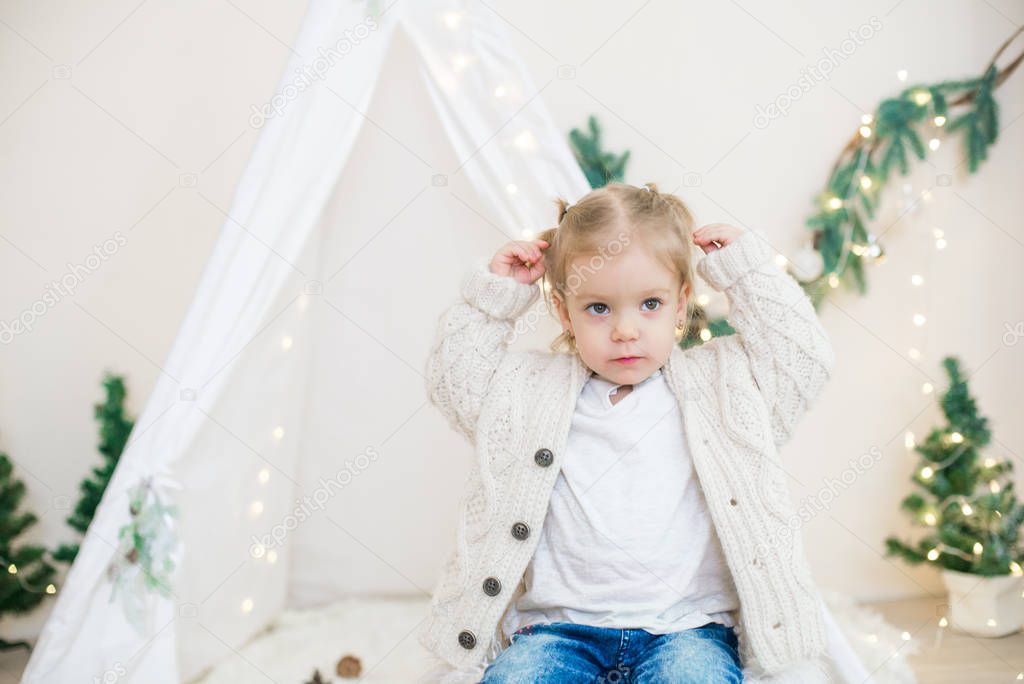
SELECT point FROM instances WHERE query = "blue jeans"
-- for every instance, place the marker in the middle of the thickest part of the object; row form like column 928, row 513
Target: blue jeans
column 563, row 652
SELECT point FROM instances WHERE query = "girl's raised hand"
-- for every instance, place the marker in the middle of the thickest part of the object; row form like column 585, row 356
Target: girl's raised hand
column 715, row 236
column 520, row 259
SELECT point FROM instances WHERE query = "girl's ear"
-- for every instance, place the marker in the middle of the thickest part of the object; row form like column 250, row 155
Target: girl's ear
column 684, row 296
column 563, row 312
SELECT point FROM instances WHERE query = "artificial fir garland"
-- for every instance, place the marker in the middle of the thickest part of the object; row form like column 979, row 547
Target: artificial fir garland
column 967, row 502
column 852, row 193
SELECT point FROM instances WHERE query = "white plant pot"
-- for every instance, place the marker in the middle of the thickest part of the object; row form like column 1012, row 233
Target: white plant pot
column 985, row 606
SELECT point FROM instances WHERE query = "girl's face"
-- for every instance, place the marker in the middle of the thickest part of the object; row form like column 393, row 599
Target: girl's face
column 625, row 307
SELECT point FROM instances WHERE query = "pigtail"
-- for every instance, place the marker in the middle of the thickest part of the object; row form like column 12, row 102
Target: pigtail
column 563, row 209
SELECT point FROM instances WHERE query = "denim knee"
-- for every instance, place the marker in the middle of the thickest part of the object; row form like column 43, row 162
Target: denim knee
column 542, row 656
column 703, row 655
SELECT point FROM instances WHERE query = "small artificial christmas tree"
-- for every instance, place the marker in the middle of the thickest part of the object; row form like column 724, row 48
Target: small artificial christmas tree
column 965, row 500
column 115, row 427
column 26, row 576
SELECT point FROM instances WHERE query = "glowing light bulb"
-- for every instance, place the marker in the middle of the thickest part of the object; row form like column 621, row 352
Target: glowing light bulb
column 12, row 569
column 1015, row 569
column 956, row 437
column 978, row 548
column 247, row 605
column 271, row 556
column 908, row 440
column 905, row 636
column 834, row 203
column 940, row 120
column 929, row 518
column 934, row 143
column 943, row 622
column 990, row 462
column 916, row 279
column 460, row 62
column 914, row 354
column 833, row 280
column 919, row 320
column 927, row 388
column 927, row 472
column 967, row 510
column 703, row 299
column 922, row 97
column 525, row 141
column 452, row 20
column 865, row 131
column 902, row 74
column 255, row 508
column 865, row 182
column 286, row 342
column 993, row 487
column 866, row 119
column 781, row 260
column 50, row 589
column 705, row 334
column 278, row 432
column 264, row 475
column 990, row 622
column 933, row 554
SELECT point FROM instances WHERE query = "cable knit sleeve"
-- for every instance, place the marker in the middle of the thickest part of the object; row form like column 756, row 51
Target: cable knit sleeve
column 472, row 339
column 791, row 357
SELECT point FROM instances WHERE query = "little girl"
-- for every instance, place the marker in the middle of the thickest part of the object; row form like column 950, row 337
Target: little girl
column 626, row 517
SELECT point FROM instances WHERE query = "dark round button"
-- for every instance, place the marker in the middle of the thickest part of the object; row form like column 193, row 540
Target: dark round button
column 544, row 457
column 492, row 587
column 467, row 639
column 520, row 530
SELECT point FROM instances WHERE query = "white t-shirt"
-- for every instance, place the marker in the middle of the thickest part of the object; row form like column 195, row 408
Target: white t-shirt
column 627, row 541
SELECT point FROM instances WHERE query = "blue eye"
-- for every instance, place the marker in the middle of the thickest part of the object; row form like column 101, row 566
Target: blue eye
column 653, row 299
column 604, row 307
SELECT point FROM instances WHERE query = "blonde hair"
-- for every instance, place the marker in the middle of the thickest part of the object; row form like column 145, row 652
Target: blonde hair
column 606, row 218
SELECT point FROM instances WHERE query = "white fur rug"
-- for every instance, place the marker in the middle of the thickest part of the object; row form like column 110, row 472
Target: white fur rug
column 381, row 633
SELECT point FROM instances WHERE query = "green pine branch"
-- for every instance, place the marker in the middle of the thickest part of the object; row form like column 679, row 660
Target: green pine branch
column 114, row 429
column 26, row 577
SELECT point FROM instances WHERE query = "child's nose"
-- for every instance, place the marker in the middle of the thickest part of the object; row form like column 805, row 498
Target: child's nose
column 624, row 330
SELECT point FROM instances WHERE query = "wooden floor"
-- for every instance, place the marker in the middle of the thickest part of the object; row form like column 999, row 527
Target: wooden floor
column 958, row 659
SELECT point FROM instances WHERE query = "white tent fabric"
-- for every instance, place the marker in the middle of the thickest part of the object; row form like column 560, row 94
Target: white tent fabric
column 249, row 412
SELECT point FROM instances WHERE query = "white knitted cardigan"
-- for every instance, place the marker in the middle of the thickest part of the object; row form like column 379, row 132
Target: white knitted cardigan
column 740, row 397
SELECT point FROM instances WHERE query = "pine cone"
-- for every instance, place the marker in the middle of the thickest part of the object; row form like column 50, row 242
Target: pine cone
column 349, row 666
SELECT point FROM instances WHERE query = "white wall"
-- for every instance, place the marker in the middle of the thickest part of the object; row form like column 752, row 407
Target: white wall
column 132, row 120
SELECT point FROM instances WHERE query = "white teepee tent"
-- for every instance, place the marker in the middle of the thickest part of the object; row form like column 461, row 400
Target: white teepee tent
column 257, row 409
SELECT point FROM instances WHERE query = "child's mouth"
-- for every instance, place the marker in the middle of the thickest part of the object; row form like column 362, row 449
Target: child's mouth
column 627, row 359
